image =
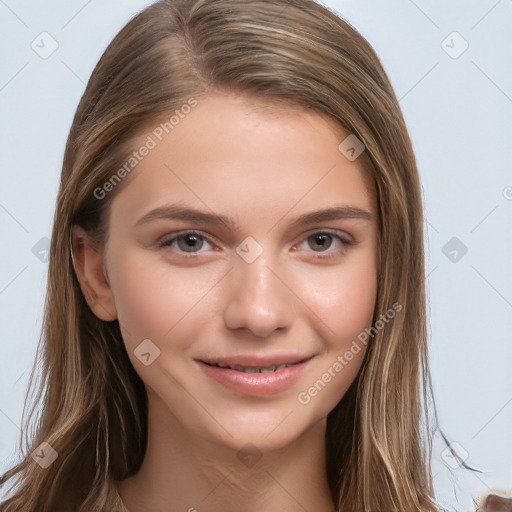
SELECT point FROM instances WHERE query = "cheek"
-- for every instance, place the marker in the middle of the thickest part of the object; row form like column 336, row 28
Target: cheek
column 343, row 302
column 154, row 301
column 343, row 299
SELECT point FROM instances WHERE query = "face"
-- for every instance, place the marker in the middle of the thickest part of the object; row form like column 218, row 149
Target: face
column 244, row 241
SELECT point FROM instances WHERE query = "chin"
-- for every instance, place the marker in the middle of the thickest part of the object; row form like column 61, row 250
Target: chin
column 266, row 431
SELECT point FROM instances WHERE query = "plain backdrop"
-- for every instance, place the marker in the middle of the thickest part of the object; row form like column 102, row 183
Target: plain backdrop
column 450, row 64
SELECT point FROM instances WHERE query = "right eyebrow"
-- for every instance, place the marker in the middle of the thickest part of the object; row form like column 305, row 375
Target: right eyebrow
column 177, row 212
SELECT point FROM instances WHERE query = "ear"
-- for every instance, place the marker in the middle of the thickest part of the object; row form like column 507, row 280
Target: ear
column 88, row 262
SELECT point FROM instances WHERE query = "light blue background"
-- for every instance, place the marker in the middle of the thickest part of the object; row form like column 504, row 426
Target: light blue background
column 458, row 111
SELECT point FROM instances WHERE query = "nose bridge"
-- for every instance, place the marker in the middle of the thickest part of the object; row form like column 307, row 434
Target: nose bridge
column 257, row 300
column 258, row 280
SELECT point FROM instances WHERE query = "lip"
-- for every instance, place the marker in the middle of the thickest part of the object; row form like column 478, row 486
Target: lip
column 259, row 384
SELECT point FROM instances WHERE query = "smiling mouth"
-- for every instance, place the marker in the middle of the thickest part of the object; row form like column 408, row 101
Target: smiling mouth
column 249, row 366
column 257, row 376
column 245, row 369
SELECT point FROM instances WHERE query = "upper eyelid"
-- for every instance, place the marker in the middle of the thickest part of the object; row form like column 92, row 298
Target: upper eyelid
column 330, row 231
column 170, row 237
column 210, row 238
column 337, row 234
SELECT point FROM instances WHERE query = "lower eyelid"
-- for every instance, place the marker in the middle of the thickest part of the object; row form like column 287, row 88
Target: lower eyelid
column 343, row 239
column 168, row 241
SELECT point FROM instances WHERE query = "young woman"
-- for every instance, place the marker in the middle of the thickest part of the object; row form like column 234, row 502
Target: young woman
column 235, row 314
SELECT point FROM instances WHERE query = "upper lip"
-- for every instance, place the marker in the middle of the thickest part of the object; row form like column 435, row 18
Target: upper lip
column 251, row 361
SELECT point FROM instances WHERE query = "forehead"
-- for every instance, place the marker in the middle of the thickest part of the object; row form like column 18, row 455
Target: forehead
column 237, row 153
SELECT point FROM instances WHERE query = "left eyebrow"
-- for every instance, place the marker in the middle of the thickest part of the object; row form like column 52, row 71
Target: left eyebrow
column 335, row 213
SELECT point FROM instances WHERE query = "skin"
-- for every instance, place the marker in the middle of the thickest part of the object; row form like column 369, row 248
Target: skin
column 262, row 167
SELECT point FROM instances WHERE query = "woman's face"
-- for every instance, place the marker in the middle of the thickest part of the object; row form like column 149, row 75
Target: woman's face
column 244, row 240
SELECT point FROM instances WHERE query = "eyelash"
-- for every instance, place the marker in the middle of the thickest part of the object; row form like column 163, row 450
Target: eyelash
column 322, row 255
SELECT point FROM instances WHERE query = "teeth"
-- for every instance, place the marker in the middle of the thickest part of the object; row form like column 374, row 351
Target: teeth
column 270, row 369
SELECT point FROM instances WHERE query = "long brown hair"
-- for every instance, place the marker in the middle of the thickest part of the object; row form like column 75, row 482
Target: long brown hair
column 91, row 404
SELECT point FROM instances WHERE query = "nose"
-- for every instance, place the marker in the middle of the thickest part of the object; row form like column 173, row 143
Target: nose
column 258, row 300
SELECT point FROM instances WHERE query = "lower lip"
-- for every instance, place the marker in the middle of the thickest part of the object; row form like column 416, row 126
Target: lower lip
column 255, row 383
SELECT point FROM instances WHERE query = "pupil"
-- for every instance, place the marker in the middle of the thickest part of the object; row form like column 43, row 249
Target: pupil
column 322, row 240
column 190, row 242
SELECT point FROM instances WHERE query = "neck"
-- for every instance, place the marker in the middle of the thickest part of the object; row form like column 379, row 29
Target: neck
column 182, row 472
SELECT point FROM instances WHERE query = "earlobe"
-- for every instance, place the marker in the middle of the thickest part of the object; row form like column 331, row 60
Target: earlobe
column 88, row 262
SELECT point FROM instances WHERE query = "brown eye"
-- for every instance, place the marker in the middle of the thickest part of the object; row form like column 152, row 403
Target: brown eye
column 188, row 242
column 324, row 245
column 320, row 241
